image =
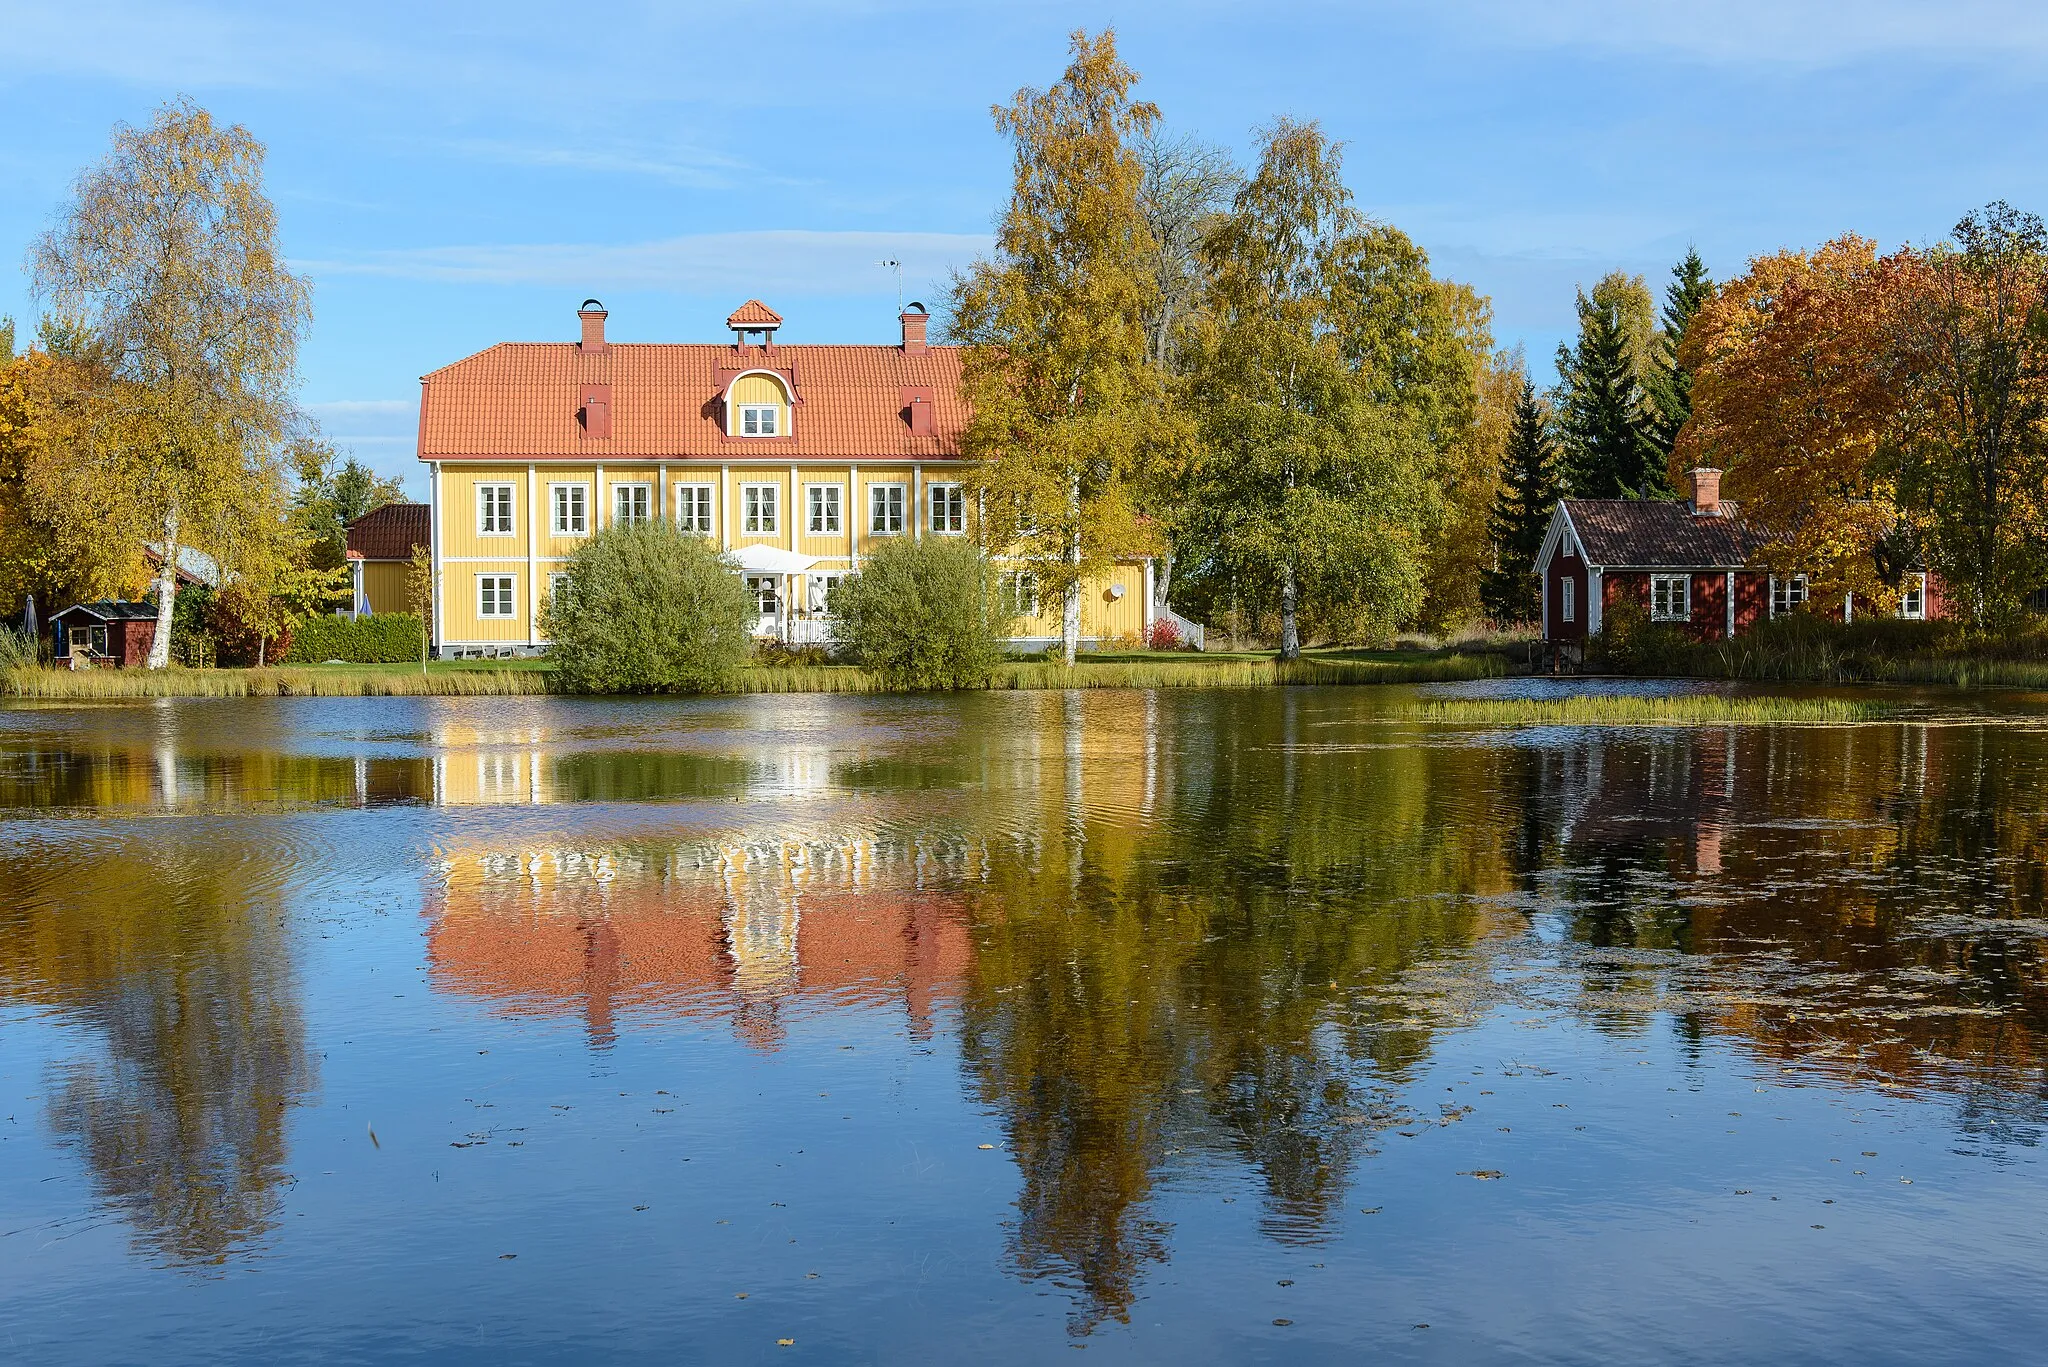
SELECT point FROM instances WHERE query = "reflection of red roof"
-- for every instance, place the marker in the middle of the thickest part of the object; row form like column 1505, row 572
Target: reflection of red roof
column 389, row 532
column 753, row 314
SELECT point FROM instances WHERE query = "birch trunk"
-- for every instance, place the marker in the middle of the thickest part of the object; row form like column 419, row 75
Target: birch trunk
column 166, row 594
column 1070, row 618
column 1290, row 629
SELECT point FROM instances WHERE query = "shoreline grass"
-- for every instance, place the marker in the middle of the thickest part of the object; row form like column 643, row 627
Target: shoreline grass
column 525, row 679
column 1684, row 710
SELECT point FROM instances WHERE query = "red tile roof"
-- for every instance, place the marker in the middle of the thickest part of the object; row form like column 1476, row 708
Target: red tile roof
column 753, row 314
column 519, row 400
column 1655, row 534
column 390, row 532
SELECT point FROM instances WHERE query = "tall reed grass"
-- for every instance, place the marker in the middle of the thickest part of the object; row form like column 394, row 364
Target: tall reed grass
column 1688, row 710
column 399, row 682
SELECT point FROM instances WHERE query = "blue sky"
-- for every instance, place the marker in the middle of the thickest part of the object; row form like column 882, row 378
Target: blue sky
column 456, row 175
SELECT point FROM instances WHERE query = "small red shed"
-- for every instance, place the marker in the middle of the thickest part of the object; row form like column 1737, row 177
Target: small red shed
column 107, row 635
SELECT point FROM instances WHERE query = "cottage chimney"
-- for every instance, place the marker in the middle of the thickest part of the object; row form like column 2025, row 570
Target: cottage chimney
column 592, row 316
column 915, row 320
column 1706, row 492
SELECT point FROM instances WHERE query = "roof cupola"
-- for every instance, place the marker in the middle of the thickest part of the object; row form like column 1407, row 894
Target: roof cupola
column 753, row 319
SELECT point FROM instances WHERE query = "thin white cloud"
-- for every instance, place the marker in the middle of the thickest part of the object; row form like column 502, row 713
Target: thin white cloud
column 784, row 261
column 363, row 408
column 693, row 167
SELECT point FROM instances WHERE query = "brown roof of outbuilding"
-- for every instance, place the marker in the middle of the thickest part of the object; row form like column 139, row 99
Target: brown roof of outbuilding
column 520, row 400
column 390, row 532
column 1652, row 534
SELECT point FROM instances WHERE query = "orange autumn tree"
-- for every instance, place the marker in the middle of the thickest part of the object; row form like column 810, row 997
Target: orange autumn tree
column 1790, row 397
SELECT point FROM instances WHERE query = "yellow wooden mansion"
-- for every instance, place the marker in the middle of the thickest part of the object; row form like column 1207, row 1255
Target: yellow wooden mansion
column 796, row 459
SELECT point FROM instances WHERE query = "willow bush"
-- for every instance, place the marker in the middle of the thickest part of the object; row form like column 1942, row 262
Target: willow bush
column 649, row 609
column 922, row 614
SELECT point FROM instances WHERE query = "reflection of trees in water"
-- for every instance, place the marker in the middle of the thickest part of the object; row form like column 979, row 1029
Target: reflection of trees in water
column 181, row 971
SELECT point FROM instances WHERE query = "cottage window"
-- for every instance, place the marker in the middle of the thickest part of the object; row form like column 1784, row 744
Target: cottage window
column 823, row 502
column 1568, row 600
column 693, row 507
column 494, row 595
column 1787, row 594
column 558, row 590
column 571, row 504
column 885, row 509
column 1018, row 593
column 91, row 639
column 1913, row 601
column 494, row 509
column 757, row 509
column 1670, row 597
column 632, row 503
column 759, row 419
column 949, row 508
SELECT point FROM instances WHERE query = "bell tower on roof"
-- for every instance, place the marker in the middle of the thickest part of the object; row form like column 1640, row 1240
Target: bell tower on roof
column 751, row 320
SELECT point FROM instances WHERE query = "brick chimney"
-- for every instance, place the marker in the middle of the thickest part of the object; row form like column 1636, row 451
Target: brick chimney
column 1706, row 492
column 592, row 317
column 915, row 320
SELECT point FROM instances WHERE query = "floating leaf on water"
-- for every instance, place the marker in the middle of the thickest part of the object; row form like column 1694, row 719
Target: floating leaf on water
column 1485, row 1174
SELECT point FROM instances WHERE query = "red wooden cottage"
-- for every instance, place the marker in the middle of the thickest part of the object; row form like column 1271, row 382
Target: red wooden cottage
column 1687, row 561
column 104, row 635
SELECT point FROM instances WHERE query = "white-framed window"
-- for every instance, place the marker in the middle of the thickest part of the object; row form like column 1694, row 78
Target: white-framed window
column 494, row 510
column 558, row 589
column 767, row 597
column 1568, row 599
column 571, row 505
column 1787, row 594
column 1017, row 593
column 949, row 508
column 759, row 419
column 821, row 502
column 632, row 503
column 885, row 509
column 693, row 508
column 494, row 595
column 758, row 504
column 1913, row 598
column 819, row 589
column 1670, row 597
column 91, row 638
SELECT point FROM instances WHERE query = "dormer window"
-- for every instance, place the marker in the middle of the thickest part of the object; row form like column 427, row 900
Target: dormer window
column 759, row 419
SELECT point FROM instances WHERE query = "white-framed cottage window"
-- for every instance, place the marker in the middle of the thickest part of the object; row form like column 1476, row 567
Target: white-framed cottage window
column 759, row 419
column 818, row 591
column 1670, row 597
column 632, row 503
column 758, row 504
column 693, row 508
column 1913, row 598
column 948, row 508
column 1568, row 600
column 821, row 502
column 494, row 595
column 494, row 510
column 1787, row 594
column 1017, row 593
column 767, row 596
column 558, row 589
column 571, row 505
column 885, row 509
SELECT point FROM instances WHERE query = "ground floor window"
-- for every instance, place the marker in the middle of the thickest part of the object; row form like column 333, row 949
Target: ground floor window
column 1568, row 600
column 819, row 593
column 1913, row 600
column 558, row 589
column 1018, row 593
column 90, row 639
column 494, row 595
column 1787, row 594
column 767, row 598
column 1670, row 597
column 693, row 507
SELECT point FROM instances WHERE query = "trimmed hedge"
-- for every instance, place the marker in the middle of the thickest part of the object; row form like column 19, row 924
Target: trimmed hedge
column 382, row 638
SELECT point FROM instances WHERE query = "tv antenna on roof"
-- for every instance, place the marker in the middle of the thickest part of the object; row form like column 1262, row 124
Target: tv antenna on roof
column 892, row 264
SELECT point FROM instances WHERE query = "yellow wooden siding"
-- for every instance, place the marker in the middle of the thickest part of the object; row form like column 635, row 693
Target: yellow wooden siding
column 753, row 389
column 461, row 596
column 736, row 505
column 1104, row 617
column 460, row 517
column 384, row 585
column 545, row 478
column 832, row 546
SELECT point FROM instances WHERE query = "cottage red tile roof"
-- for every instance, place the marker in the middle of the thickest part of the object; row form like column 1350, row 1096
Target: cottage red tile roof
column 390, row 532
column 753, row 314
column 520, row 400
column 1654, row 534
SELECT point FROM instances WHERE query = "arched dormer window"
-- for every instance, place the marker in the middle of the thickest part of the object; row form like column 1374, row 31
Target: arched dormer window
column 757, row 405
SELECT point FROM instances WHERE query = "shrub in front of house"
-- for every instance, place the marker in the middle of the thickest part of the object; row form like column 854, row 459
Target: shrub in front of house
column 1630, row 643
column 644, row 608
column 379, row 638
column 922, row 613
column 1165, row 635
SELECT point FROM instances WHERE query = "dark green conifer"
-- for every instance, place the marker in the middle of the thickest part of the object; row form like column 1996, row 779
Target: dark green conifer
column 1671, row 388
column 1603, row 413
column 1529, row 491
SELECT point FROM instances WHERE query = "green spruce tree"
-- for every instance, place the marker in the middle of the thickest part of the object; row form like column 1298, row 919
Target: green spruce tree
column 1529, row 491
column 1604, row 417
column 1671, row 388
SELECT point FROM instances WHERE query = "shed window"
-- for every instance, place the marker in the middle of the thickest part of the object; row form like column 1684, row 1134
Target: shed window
column 1670, row 597
column 885, row 509
column 494, row 595
column 91, row 639
column 1787, row 594
column 1568, row 600
column 759, row 419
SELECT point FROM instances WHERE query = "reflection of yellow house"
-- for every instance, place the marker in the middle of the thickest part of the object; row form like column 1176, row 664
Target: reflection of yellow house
column 797, row 459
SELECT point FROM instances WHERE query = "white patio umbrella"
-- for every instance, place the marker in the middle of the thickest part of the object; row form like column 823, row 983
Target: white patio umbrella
column 778, row 562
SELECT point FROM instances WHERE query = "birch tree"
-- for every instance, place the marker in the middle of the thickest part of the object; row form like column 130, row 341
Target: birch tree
column 168, row 254
column 1065, row 402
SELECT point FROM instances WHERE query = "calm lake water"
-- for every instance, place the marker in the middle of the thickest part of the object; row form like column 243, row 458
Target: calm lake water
column 1197, row 1027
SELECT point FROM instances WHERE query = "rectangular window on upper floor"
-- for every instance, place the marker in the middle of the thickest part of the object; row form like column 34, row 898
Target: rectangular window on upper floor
column 571, row 504
column 949, row 508
column 494, row 510
column 632, row 503
column 822, row 504
column 759, row 419
column 885, row 509
column 693, row 508
column 758, row 509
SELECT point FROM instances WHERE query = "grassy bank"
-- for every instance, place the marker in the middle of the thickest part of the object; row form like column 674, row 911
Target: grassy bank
column 1808, row 649
column 1690, row 710
column 454, row 679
